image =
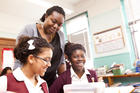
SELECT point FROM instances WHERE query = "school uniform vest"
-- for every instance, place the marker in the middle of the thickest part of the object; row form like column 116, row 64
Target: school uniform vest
column 91, row 77
column 65, row 78
column 19, row 86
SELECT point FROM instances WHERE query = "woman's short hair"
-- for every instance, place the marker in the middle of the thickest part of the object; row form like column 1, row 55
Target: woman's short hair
column 51, row 10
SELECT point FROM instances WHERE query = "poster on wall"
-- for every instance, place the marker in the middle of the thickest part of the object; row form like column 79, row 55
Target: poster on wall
column 7, row 58
column 109, row 40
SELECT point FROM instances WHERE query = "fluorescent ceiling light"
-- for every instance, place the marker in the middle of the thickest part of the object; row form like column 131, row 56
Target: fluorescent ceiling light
column 46, row 4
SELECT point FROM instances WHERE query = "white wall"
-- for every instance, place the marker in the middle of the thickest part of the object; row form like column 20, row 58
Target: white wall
column 10, row 25
column 95, row 7
column 14, row 14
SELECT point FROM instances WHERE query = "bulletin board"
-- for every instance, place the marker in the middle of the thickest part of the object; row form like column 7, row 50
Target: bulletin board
column 109, row 40
column 7, row 57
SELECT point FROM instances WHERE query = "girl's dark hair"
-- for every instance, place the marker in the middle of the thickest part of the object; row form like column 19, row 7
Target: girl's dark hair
column 4, row 71
column 51, row 10
column 71, row 47
column 22, row 51
column 67, row 47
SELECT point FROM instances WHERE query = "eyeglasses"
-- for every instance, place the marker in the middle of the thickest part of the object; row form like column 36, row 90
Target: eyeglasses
column 47, row 61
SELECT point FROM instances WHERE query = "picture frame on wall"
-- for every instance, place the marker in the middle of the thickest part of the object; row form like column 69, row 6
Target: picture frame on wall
column 109, row 40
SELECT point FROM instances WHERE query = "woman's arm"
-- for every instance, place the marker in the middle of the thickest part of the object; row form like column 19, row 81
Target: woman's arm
column 61, row 68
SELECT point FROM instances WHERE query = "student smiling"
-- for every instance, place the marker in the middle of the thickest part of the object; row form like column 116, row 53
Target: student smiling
column 35, row 54
column 77, row 73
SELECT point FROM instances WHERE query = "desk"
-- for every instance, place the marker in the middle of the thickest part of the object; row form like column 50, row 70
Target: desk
column 111, row 77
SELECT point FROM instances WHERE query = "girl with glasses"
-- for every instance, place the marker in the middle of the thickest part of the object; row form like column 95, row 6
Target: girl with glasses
column 35, row 55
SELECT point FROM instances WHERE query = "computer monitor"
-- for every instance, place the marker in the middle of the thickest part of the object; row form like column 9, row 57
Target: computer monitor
column 96, row 87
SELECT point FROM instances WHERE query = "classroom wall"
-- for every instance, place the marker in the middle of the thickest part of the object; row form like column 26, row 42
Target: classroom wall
column 14, row 14
column 10, row 25
column 105, row 14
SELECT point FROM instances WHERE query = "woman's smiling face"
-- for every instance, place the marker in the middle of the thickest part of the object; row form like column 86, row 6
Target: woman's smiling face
column 53, row 23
